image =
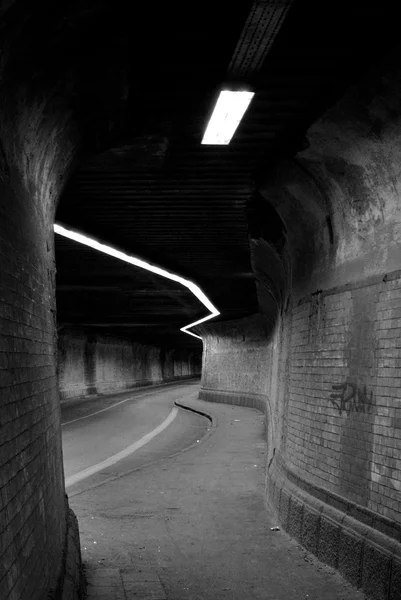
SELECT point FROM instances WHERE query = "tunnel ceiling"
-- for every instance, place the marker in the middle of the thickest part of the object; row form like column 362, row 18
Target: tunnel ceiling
column 141, row 80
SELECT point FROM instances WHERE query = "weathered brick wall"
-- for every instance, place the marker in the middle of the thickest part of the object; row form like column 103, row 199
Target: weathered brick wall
column 32, row 502
column 236, row 357
column 96, row 365
column 344, row 427
column 236, row 366
column 180, row 363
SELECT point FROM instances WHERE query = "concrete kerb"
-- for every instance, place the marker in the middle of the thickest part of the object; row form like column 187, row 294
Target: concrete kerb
column 245, row 399
column 211, row 418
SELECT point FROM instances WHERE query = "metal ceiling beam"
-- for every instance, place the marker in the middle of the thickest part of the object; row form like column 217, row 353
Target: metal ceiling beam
column 124, row 288
column 261, row 28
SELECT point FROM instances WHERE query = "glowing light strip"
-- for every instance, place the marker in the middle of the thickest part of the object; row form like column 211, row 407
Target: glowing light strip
column 137, row 262
column 227, row 114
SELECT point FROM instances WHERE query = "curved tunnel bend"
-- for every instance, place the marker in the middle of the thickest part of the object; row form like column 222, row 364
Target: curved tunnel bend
column 320, row 355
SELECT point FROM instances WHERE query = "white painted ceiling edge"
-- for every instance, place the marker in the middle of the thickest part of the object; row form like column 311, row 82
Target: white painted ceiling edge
column 142, row 264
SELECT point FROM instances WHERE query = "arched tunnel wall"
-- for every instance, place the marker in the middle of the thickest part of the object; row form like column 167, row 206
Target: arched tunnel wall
column 40, row 142
column 35, row 525
column 90, row 364
column 327, row 358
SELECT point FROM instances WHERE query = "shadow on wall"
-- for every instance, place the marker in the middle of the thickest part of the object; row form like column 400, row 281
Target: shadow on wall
column 89, row 364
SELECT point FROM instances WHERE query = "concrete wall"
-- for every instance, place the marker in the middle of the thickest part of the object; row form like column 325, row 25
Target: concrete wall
column 327, row 357
column 101, row 365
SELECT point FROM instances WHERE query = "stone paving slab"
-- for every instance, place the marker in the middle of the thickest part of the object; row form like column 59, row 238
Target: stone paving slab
column 105, row 583
column 115, row 584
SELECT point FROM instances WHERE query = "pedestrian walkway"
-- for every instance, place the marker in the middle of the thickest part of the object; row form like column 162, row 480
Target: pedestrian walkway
column 195, row 526
column 116, row 584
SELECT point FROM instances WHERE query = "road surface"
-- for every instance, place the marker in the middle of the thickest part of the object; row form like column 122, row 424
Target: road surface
column 105, row 437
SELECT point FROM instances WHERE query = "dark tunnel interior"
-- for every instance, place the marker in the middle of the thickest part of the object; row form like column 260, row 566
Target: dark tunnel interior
column 292, row 232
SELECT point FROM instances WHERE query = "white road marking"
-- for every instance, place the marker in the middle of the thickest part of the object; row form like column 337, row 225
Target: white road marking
column 108, row 462
column 109, row 407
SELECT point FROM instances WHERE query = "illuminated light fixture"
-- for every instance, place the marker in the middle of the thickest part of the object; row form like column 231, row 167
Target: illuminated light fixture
column 142, row 264
column 227, row 114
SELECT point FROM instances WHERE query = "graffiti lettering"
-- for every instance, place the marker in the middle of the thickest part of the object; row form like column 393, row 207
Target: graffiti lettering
column 350, row 398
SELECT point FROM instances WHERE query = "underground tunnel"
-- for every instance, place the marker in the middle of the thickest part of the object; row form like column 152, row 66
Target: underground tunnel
column 217, row 396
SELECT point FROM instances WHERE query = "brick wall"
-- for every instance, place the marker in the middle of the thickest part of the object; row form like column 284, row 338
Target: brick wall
column 100, row 365
column 32, row 502
column 236, row 367
column 345, row 394
column 236, row 357
column 328, row 378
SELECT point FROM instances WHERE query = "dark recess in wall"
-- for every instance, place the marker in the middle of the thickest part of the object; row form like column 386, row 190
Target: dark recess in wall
column 264, row 222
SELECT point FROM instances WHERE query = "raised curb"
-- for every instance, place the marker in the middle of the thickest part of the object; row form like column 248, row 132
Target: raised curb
column 245, row 399
column 194, row 410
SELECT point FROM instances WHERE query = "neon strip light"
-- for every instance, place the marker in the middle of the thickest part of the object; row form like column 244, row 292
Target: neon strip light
column 227, row 114
column 137, row 262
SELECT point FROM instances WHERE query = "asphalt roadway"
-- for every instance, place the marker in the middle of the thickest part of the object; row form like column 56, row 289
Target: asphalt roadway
column 171, row 504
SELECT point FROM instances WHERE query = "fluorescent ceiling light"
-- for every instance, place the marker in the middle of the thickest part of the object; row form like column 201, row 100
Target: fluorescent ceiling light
column 142, row 264
column 228, row 112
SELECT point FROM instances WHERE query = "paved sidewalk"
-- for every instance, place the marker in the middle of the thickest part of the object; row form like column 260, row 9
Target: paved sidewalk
column 195, row 527
column 116, row 584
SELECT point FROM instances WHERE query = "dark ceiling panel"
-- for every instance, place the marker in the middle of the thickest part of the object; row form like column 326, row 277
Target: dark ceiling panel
column 147, row 185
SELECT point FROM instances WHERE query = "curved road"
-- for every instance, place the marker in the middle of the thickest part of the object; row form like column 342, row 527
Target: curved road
column 107, row 436
column 194, row 527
